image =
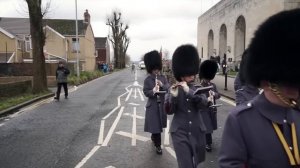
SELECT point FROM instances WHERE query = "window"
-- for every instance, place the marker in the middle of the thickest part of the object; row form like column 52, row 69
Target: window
column 75, row 46
column 20, row 44
column 28, row 46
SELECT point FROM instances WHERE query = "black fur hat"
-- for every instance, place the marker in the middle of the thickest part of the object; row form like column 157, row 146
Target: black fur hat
column 208, row 69
column 274, row 54
column 185, row 61
column 152, row 61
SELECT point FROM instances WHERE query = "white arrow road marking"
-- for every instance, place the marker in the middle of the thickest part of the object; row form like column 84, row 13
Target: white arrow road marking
column 87, row 157
column 113, row 127
column 166, row 140
column 127, row 88
column 135, row 93
column 133, row 140
column 134, row 104
column 128, row 95
column 129, row 135
column 142, row 97
column 171, row 151
column 101, row 132
column 137, row 116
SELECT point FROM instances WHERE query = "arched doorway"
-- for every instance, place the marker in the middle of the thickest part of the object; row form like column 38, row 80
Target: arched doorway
column 210, row 43
column 240, row 36
column 223, row 41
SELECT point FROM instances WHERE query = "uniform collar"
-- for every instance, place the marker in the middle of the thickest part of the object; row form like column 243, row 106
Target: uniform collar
column 273, row 112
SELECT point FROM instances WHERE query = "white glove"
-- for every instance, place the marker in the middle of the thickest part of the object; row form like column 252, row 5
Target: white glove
column 185, row 87
column 174, row 91
column 158, row 82
column 155, row 89
column 210, row 99
column 212, row 93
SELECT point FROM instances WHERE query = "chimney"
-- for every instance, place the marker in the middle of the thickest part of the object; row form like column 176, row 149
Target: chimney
column 87, row 17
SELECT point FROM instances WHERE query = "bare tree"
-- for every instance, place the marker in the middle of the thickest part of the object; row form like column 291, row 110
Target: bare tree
column 119, row 38
column 38, row 42
column 166, row 54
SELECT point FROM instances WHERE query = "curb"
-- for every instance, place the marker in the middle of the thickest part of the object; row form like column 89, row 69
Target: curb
column 19, row 106
column 228, row 97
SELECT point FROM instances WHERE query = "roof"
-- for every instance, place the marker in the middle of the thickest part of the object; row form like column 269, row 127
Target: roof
column 100, row 42
column 7, row 33
column 63, row 26
column 66, row 27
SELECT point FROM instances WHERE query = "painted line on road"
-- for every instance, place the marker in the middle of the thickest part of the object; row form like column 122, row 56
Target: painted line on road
column 167, row 139
column 87, row 157
column 129, row 135
column 137, row 116
column 135, row 75
column 127, row 88
column 133, row 140
column 1, row 125
column 101, row 132
column 113, row 127
column 227, row 101
column 142, row 97
column 171, row 151
column 128, row 95
column 110, row 113
column 134, row 94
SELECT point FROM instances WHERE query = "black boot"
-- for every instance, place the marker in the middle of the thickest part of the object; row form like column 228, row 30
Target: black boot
column 56, row 98
column 158, row 150
column 208, row 148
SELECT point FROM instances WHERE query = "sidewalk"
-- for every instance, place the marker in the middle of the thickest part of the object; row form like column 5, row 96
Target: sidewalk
column 220, row 83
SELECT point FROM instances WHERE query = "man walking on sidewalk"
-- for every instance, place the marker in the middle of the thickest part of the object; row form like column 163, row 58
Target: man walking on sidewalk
column 61, row 77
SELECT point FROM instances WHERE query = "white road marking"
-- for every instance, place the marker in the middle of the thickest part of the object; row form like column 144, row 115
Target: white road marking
column 110, row 167
column 128, row 95
column 129, row 135
column 101, row 132
column 1, row 125
column 171, row 151
column 135, row 93
column 133, row 140
column 110, row 113
column 137, row 116
column 134, row 104
column 113, row 127
column 142, row 97
column 119, row 98
column 127, row 88
column 167, row 139
column 227, row 101
column 87, row 157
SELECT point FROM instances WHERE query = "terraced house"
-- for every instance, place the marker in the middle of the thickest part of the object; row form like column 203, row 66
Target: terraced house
column 15, row 41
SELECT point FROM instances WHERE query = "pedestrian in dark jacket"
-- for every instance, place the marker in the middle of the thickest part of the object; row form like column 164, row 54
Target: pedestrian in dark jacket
column 62, row 80
column 243, row 92
column 155, row 118
column 266, row 131
column 187, row 127
column 208, row 70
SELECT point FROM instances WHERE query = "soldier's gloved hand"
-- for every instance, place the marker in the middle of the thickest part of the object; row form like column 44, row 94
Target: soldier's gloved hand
column 185, row 87
column 159, row 83
column 212, row 93
column 174, row 91
column 155, row 89
column 210, row 99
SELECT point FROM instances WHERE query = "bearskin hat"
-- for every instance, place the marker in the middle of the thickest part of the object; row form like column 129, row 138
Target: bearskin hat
column 208, row 69
column 274, row 51
column 185, row 61
column 152, row 61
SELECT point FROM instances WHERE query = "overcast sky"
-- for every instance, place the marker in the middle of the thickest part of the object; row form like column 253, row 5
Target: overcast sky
column 152, row 23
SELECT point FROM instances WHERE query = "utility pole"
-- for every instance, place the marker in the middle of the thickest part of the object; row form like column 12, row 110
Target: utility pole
column 77, row 42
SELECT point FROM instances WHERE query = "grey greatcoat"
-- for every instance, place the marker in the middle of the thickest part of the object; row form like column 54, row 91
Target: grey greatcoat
column 155, row 120
column 187, row 128
column 245, row 94
column 209, row 115
column 250, row 139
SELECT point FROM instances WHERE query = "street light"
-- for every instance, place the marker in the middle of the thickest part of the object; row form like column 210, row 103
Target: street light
column 77, row 42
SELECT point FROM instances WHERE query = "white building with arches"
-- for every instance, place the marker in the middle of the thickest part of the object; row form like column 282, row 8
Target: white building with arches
column 228, row 27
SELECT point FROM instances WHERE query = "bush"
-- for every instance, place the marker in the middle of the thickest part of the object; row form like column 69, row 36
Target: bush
column 84, row 77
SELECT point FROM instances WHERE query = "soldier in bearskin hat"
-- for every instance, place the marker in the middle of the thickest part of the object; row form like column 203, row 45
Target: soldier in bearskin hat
column 266, row 131
column 154, row 85
column 187, row 128
column 208, row 70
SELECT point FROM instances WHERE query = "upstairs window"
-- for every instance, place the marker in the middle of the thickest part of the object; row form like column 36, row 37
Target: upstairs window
column 28, row 46
column 75, row 46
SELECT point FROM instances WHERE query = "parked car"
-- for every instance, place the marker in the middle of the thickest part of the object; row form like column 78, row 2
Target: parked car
column 142, row 65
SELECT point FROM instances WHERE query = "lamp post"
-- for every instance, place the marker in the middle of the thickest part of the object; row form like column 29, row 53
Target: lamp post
column 77, row 42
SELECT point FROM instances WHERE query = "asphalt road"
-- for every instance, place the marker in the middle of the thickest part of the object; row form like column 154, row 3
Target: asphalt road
column 99, row 126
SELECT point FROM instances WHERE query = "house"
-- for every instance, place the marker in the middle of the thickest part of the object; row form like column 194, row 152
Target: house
column 60, row 41
column 102, row 50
